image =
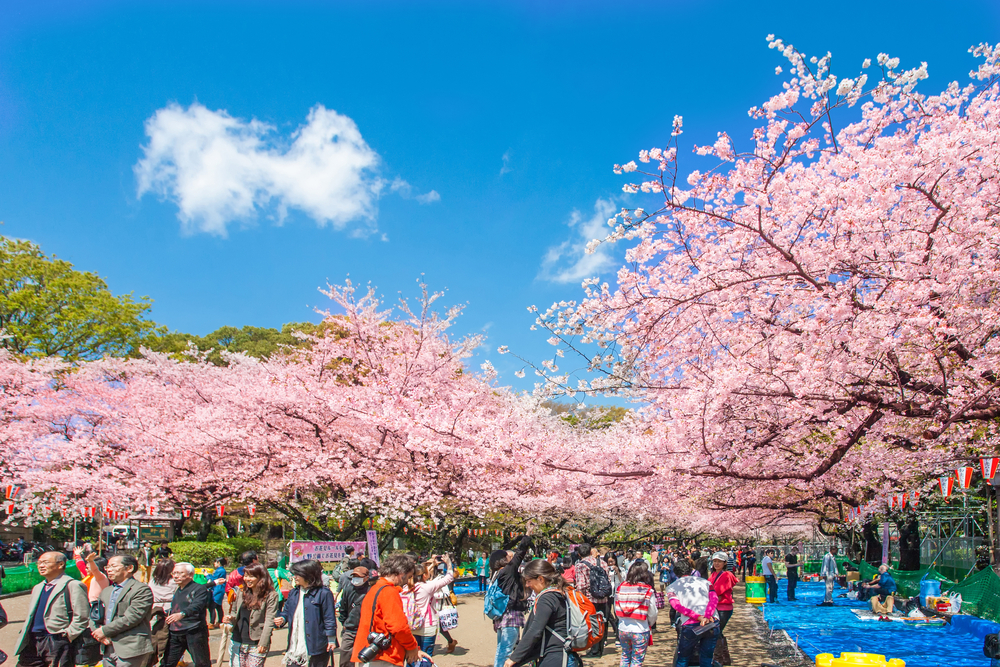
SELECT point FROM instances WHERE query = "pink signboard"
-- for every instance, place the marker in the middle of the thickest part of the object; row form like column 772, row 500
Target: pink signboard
column 327, row 552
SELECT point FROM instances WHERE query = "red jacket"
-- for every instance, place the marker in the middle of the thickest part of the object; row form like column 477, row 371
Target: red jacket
column 389, row 618
column 722, row 583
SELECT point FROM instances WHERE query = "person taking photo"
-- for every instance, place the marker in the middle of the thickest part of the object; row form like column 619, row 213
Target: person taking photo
column 384, row 621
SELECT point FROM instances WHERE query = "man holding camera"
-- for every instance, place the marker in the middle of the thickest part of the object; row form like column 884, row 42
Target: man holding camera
column 384, row 636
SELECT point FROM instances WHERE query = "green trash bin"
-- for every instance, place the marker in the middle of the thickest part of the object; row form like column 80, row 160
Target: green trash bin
column 756, row 590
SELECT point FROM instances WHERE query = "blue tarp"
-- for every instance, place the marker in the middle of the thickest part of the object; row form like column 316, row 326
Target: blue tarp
column 977, row 627
column 836, row 630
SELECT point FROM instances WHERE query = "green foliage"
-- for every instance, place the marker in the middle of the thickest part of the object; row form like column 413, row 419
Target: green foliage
column 47, row 308
column 591, row 418
column 202, row 554
column 259, row 342
column 241, row 544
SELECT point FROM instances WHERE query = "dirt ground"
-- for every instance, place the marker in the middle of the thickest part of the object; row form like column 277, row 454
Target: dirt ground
column 477, row 642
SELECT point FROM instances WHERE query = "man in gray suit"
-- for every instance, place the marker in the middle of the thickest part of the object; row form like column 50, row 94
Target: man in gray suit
column 59, row 615
column 128, row 606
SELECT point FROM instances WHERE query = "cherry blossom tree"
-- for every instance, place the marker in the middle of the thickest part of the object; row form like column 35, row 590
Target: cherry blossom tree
column 810, row 320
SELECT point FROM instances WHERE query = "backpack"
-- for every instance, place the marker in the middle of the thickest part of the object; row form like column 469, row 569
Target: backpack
column 600, row 585
column 584, row 624
column 496, row 601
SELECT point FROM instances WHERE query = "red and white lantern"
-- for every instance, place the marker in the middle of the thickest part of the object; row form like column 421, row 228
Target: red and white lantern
column 252, row 509
column 902, row 502
column 964, row 477
column 186, row 512
column 989, row 466
column 9, row 508
column 220, row 510
column 914, row 499
column 947, row 485
column 12, row 490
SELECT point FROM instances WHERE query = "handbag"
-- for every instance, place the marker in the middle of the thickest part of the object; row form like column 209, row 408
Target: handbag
column 448, row 619
column 89, row 650
column 661, row 599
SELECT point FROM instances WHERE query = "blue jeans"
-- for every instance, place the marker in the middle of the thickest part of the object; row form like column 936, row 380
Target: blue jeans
column 427, row 643
column 506, row 638
column 690, row 643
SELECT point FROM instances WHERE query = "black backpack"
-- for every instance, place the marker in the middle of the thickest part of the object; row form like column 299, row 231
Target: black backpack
column 991, row 646
column 600, row 585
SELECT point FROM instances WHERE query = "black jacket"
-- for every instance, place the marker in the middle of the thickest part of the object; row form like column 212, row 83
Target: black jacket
column 349, row 607
column 537, row 642
column 510, row 580
column 193, row 600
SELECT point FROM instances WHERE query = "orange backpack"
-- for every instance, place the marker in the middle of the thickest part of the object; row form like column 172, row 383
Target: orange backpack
column 584, row 624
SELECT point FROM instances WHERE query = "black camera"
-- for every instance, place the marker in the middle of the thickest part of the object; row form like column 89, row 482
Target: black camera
column 377, row 642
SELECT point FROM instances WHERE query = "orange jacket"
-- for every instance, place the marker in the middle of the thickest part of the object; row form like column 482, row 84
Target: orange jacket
column 389, row 618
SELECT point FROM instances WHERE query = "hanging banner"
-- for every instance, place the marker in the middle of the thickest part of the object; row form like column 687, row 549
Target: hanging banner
column 373, row 546
column 988, row 467
column 325, row 552
column 885, row 543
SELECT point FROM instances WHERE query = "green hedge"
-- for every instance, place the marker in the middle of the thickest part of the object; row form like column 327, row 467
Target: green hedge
column 202, row 554
column 241, row 544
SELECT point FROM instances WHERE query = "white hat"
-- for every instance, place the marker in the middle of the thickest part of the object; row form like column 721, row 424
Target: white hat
column 720, row 555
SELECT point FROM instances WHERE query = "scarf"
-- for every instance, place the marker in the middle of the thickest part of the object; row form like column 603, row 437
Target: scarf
column 297, row 653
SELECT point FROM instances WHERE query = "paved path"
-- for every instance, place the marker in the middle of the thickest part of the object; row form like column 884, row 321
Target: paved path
column 477, row 642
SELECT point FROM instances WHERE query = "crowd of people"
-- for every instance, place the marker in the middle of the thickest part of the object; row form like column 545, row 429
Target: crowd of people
column 548, row 608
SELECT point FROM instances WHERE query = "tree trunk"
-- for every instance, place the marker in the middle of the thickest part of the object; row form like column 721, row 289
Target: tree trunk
column 873, row 545
column 207, row 521
column 460, row 544
column 909, row 542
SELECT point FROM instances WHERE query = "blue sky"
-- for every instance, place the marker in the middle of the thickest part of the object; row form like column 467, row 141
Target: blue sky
column 482, row 144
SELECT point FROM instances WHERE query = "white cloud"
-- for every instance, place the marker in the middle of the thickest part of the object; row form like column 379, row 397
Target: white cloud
column 428, row 198
column 569, row 262
column 219, row 169
column 405, row 190
column 506, row 162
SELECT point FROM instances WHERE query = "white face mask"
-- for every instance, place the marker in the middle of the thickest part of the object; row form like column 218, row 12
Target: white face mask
column 357, row 581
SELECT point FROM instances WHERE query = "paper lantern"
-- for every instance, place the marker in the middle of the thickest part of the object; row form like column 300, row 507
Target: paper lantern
column 988, row 466
column 9, row 508
column 947, row 484
column 186, row 512
column 914, row 499
column 902, row 502
column 12, row 490
column 220, row 510
column 252, row 509
column 964, row 477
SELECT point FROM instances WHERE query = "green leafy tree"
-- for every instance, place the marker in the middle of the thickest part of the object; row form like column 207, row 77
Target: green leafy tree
column 48, row 308
column 259, row 342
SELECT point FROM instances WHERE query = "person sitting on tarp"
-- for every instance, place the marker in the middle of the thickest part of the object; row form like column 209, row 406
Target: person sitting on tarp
column 882, row 586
